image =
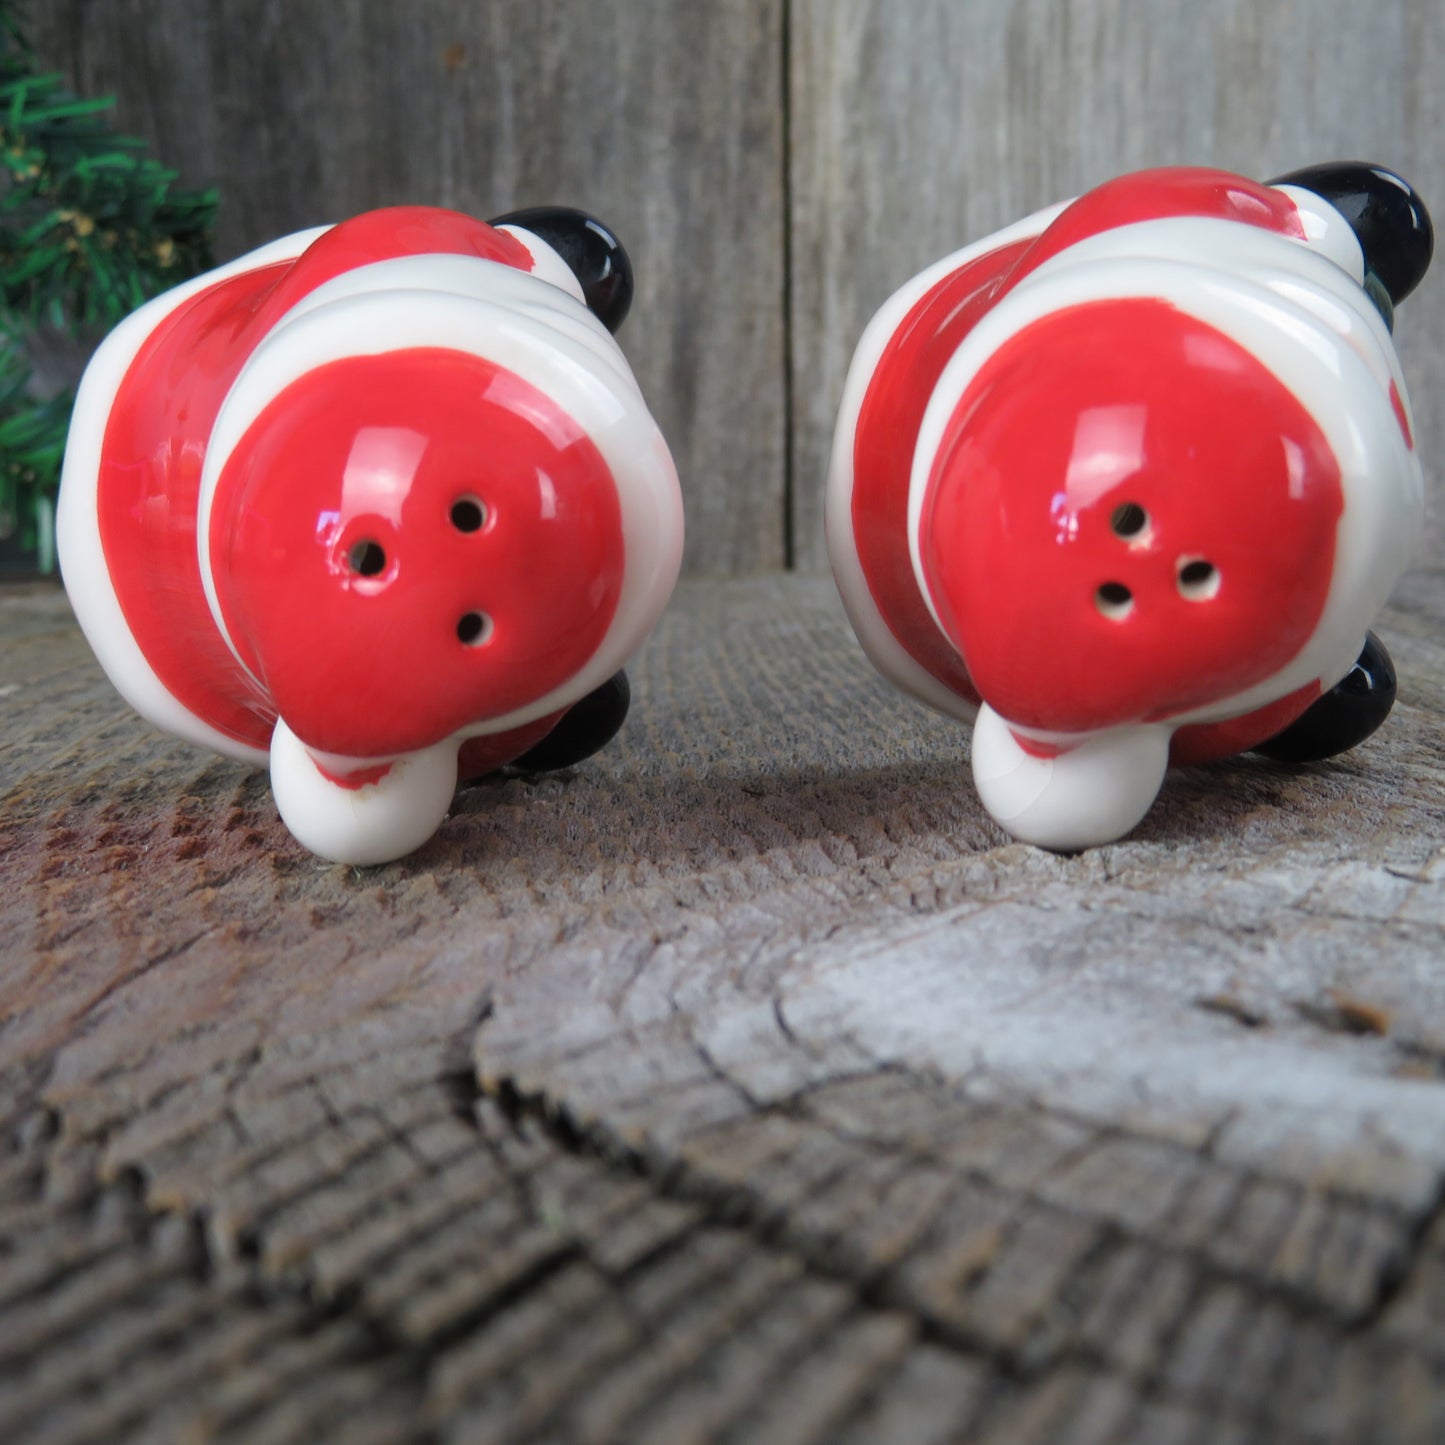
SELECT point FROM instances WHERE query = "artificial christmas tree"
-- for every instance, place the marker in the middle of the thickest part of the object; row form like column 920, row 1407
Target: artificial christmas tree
column 90, row 227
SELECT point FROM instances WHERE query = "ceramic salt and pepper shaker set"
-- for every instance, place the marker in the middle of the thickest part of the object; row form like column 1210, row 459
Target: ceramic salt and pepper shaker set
column 1125, row 484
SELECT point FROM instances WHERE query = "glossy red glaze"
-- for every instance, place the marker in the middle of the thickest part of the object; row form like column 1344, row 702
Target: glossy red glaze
column 1205, row 742
column 1090, row 408
column 160, row 426
column 479, row 756
column 475, row 758
column 344, row 581
column 902, row 384
column 883, row 446
column 387, row 234
column 358, row 777
column 1035, row 747
column 1158, row 195
column 150, row 477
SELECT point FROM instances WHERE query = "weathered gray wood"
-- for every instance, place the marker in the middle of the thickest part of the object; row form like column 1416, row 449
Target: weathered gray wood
column 745, row 1083
column 662, row 119
column 916, row 128
column 910, row 129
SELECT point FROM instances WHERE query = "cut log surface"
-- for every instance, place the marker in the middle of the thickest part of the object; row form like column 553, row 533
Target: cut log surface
column 745, row 1083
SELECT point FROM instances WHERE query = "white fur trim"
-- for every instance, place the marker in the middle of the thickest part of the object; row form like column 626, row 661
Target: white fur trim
column 1092, row 794
column 374, row 823
column 82, row 555
column 547, row 264
column 537, row 331
column 1311, row 326
column 884, row 650
column 1327, row 231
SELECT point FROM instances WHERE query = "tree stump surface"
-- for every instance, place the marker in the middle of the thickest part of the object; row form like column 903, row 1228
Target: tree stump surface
column 745, row 1083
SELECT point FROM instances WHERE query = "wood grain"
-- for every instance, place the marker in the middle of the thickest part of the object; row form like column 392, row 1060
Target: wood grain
column 764, row 240
column 744, row 1083
column 662, row 119
column 917, row 128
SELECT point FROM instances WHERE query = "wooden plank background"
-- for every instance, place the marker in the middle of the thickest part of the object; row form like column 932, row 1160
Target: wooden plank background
column 663, row 119
column 916, row 127
column 777, row 167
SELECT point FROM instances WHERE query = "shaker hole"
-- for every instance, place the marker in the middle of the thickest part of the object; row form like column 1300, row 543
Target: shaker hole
column 1198, row 579
column 1114, row 600
column 366, row 558
column 468, row 514
column 1129, row 519
column 474, row 628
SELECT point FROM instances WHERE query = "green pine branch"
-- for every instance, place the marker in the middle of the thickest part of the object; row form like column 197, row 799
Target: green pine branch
column 90, row 228
column 32, row 446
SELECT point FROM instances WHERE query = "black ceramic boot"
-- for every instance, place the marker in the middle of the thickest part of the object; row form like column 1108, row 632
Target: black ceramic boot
column 586, row 727
column 595, row 255
column 1386, row 215
column 1344, row 716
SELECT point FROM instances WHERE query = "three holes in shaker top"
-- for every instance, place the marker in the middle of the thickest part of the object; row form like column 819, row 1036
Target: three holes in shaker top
column 1197, row 577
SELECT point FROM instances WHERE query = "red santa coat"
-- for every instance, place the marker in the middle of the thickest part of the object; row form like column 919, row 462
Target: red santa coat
column 389, row 483
column 1143, row 460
